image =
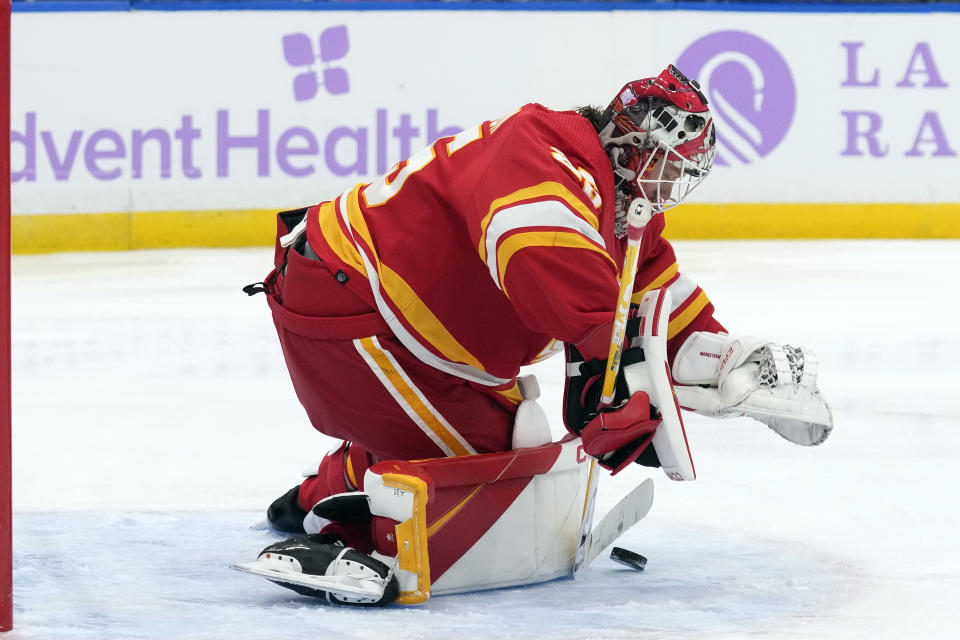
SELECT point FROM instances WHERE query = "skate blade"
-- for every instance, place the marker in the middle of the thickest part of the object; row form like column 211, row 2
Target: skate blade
column 338, row 586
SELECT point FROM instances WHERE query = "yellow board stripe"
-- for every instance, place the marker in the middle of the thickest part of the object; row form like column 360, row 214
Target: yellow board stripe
column 48, row 232
column 413, row 399
column 544, row 189
column 685, row 317
column 798, row 221
column 524, row 240
column 658, row 282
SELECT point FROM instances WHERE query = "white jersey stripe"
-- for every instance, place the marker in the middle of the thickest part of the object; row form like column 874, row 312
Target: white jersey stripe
column 460, row 370
column 399, row 385
column 681, row 289
column 546, row 213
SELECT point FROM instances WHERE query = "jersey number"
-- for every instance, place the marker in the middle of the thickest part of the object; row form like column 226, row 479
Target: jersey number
column 581, row 175
column 386, row 186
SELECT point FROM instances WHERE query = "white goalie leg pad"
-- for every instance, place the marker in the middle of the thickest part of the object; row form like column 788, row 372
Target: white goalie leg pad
column 534, row 537
column 653, row 376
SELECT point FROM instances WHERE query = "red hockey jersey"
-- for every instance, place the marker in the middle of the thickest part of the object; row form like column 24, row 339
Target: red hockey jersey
column 487, row 248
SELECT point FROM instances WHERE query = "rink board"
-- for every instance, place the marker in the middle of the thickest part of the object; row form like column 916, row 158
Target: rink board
column 217, row 118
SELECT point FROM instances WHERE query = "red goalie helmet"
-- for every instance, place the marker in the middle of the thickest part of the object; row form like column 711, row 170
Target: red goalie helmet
column 659, row 135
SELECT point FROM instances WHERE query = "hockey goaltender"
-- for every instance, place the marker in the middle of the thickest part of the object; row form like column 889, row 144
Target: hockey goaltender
column 406, row 307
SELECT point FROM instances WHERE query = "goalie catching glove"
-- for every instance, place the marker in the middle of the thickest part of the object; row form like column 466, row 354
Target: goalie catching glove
column 721, row 375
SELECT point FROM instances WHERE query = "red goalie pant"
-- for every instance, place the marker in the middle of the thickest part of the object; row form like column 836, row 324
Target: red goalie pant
column 358, row 383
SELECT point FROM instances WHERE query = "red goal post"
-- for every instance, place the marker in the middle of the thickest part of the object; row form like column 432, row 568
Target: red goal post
column 6, row 514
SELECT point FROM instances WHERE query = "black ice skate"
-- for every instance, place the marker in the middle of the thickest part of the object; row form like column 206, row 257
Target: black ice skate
column 315, row 565
column 285, row 513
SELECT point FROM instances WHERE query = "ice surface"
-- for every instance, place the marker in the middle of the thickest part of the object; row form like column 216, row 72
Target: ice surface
column 154, row 421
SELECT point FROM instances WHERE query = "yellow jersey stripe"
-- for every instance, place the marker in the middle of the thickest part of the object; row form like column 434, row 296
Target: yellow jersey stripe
column 351, row 476
column 416, row 313
column 512, row 394
column 519, row 241
column 419, row 316
column 685, row 317
column 336, row 239
column 657, row 283
column 358, row 224
column 553, row 347
column 544, row 189
column 413, row 401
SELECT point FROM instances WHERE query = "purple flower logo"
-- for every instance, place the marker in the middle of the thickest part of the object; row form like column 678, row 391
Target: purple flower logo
column 750, row 89
column 333, row 44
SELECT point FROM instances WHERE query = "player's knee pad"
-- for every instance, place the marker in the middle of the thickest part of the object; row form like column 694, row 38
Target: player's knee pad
column 530, row 425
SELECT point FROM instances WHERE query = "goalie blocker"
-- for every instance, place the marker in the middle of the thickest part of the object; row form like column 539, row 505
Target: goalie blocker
column 645, row 410
column 450, row 525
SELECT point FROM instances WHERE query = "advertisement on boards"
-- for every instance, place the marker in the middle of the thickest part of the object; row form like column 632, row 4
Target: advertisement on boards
column 220, row 111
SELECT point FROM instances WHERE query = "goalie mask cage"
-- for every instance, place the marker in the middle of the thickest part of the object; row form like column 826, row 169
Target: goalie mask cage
column 6, row 538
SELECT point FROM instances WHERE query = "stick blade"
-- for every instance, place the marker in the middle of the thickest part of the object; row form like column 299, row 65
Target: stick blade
column 629, row 511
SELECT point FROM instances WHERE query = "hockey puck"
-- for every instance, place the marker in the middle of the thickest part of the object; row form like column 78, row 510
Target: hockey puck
column 628, row 558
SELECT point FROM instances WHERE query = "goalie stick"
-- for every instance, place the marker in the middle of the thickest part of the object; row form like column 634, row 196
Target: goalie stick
column 638, row 216
column 630, row 510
